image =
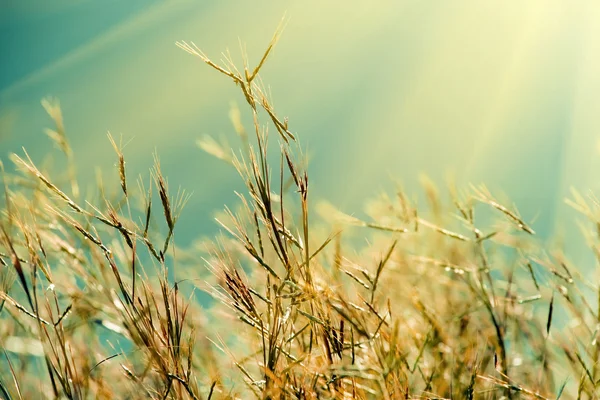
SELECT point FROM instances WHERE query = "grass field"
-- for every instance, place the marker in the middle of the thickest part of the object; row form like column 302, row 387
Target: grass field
column 455, row 298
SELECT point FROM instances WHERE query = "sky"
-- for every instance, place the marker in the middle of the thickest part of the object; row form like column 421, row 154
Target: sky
column 495, row 92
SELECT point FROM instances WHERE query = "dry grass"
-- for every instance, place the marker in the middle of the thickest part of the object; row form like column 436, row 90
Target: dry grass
column 436, row 306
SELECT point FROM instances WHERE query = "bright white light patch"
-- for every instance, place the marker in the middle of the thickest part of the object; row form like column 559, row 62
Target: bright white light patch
column 21, row 345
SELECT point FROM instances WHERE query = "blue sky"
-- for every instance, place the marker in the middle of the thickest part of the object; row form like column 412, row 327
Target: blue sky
column 36, row 33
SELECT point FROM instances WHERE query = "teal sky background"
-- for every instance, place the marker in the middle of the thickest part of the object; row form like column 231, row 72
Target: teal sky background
column 499, row 92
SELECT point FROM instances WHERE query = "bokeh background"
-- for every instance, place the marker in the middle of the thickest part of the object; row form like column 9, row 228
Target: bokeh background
column 499, row 92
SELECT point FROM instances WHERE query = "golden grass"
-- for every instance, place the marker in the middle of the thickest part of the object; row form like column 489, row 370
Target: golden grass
column 436, row 306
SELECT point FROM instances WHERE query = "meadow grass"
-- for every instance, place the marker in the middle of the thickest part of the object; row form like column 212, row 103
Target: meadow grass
column 96, row 301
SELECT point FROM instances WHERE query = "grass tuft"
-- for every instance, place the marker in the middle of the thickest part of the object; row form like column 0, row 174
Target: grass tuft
column 435, row 305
